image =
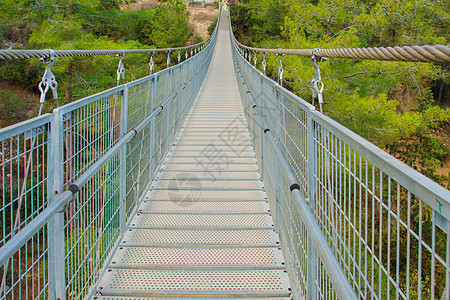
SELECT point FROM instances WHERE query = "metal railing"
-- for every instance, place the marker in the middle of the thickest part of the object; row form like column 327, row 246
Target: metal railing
column 354, row 221
column 71, row 180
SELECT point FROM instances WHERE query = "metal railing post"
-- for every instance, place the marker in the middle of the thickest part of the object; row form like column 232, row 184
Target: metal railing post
column 168, row 111
column 123, row 162
column 153, row 129
column 277, row 135
column 56, row 264
column 261, row 129
column 312, row 165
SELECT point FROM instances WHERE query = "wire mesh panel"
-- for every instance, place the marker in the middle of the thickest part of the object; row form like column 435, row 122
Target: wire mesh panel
column 90, row 128
column 388, row 234
column 386, row 225
column 25, row 163
column 140, row 95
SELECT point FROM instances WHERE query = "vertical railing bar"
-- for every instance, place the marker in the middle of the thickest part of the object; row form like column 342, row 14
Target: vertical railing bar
column 373, row 231
column 397, row 278
column 388, row 258
column 153, row 125
column 446, row 293
column 312, row 260
column 408, row 245
column 380, row 236
column 433, row 252
column 56, row 226
column 123, row 162
column 366, row 226
column 419, row 275
column 360, row 273
column 355, row 182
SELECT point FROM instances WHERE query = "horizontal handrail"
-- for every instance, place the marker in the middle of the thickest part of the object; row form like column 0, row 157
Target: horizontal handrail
column 426, row 53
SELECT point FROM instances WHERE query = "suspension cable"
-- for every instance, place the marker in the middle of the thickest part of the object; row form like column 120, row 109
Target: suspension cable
column 436, row 54
column 45, row 54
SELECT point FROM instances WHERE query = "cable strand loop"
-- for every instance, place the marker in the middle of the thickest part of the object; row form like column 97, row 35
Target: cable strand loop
column 121, row 68
column 317, row 85
column 280, row 69
column 48, row 80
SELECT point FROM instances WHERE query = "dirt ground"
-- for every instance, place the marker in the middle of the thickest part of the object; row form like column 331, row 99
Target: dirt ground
column 199, row 17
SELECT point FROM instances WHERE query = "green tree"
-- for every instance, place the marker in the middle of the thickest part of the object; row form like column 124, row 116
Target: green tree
column 169, row 26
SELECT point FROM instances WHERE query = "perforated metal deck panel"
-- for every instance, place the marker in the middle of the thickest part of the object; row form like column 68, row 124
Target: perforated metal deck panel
column 204, row 228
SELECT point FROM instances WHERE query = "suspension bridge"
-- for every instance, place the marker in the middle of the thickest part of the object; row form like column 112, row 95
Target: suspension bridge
column 209, row 180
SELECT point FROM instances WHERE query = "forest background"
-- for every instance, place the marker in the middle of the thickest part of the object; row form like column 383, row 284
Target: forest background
column 401, row 107
column 83, row 24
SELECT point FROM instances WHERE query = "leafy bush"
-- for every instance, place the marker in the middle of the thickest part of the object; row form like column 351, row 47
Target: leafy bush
column 11, row 106
column 212, row 26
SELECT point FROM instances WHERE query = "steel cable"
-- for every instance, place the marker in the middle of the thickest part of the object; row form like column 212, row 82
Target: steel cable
column 435, row 54
column 24, row 54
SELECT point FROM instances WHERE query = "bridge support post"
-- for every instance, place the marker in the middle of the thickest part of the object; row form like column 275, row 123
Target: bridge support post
column 261, row 129
column 123, row 162
column 169, row 110
column 277, row 135
column 313, row 264
column 56, row 240
column 153, row 129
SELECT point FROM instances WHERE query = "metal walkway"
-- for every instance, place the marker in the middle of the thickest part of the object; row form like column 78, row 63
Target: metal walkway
column 204, row 229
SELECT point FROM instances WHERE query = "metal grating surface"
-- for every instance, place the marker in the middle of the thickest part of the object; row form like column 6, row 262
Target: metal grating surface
column 172, row 237
column 259, row 257
column 194, row 195
column 202, row 220
column 240, row 160
column 145, row 282
column 204, row 229
column 187, row 298
column 206, row 206
column 228, row 153
column 207, row 166
column 218, row 149
column 179, row 181
column 212, row 175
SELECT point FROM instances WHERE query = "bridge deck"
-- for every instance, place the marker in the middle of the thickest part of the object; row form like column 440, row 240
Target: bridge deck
column 205, row 228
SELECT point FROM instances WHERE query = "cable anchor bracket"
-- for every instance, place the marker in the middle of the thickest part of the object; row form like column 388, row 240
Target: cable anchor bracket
column 280, row 68
column 168, row 58
column 264, row 62
column 151, row 64
column 316, row 82
column 121, row 68
column 48, row 80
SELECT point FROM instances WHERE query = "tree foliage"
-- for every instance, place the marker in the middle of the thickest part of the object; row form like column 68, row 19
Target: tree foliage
column 170, row 26
column 389, row 103
column 85, row 24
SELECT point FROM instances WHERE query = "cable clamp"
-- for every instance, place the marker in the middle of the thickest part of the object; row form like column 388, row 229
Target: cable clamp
column 316, row 82
column 264, row 62
column 48, row 80
column 121, row 68
column 280, row 68
column 151, row 64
